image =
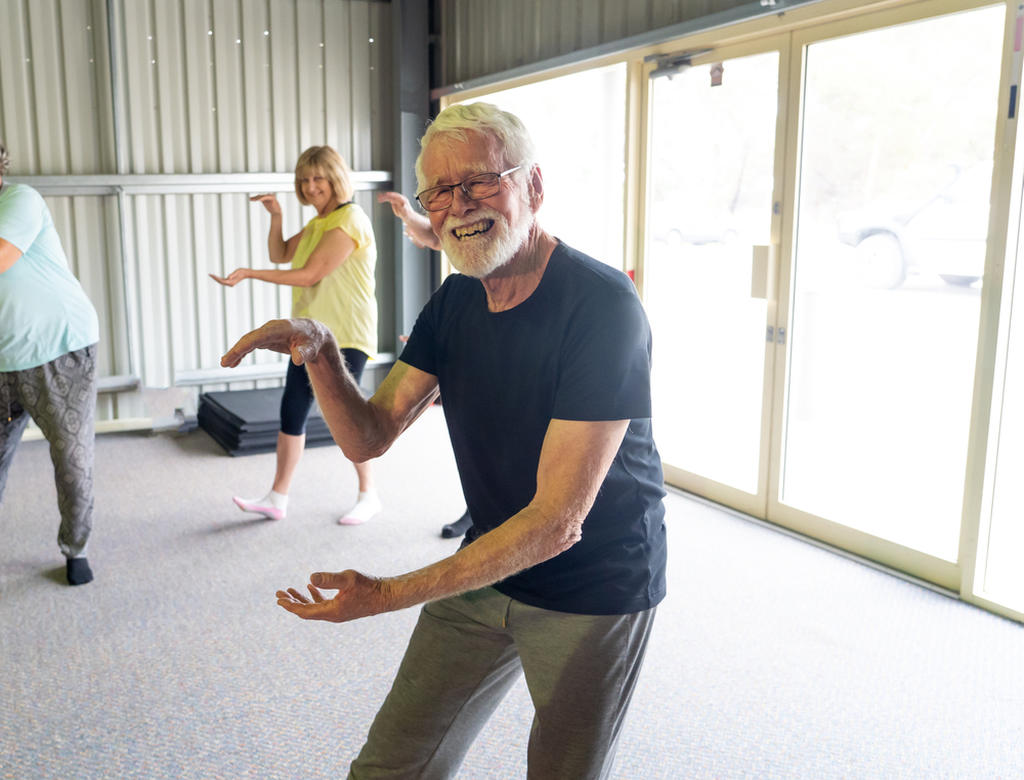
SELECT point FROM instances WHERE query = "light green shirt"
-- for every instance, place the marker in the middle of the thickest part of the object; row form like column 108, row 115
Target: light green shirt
column 44, row 312
column 344, row 300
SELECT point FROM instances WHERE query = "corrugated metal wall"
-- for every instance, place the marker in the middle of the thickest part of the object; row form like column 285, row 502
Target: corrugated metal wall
column 171, row 88
column 481, row 37
column 55, row 111
column 244, row 85
column 185, row 87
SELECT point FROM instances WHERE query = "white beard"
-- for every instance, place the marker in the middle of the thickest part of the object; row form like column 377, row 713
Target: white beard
column 481, row 255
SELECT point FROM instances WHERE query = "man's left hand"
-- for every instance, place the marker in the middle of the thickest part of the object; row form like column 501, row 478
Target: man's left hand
column 358, row 596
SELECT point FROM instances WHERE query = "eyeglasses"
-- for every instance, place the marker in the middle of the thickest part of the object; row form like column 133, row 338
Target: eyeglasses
column 478, row 187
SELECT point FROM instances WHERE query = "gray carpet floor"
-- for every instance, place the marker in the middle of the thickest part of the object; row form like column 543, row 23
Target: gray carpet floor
column 771, row 658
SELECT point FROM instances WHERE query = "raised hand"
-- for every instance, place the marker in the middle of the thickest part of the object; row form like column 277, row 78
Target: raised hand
column 303, row 339
column 358, row 596
column 269, row 201
column 399, row 204
column 416, row 226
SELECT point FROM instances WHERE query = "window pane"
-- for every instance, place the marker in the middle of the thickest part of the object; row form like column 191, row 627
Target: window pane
column 578, row 124
column 711, row 178
column 892, row 222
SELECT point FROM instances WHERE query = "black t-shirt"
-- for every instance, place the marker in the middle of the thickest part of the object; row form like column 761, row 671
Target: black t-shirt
column 579, row 348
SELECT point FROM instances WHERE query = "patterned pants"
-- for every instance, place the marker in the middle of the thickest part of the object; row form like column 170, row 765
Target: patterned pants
column 61, row 397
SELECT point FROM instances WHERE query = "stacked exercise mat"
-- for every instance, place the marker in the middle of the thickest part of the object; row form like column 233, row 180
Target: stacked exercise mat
column 246, row 422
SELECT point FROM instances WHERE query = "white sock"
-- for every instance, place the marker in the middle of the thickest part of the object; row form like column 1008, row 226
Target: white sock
column 274, row 505
column 367, row 506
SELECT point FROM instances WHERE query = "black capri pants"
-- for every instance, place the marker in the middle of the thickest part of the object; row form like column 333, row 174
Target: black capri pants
column 297, row 399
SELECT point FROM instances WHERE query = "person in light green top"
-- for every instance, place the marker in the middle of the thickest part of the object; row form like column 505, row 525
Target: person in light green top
column 48, row 337
column 332, row 275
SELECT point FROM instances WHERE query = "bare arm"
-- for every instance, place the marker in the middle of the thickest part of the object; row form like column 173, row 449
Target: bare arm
column 574, row 460
column 9, row 254
column 333, row 249
column 417, row 226
column 279, row 250
column 573, row 463
column 364, row 429
column 367, row 429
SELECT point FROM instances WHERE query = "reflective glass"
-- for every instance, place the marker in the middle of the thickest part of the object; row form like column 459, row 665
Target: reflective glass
column 891, row 234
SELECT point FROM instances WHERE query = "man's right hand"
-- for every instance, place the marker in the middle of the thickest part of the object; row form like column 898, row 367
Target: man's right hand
column 303, row 339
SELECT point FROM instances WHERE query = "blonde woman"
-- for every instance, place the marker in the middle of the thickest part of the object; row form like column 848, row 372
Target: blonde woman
column 332, row 275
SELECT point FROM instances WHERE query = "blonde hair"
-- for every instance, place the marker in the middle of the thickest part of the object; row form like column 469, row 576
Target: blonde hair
column 326, row 161
column 5, row 160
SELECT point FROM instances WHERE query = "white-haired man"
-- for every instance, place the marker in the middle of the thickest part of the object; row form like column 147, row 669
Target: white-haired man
column 542, row 359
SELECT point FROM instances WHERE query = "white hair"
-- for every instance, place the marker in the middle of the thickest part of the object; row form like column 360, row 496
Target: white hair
column 462, row 118
column 5, row 160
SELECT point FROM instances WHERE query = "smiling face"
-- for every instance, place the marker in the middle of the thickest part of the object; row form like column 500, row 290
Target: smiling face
column 479, row 236
column 317, row 190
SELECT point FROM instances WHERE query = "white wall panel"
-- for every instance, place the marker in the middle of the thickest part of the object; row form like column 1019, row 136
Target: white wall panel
column 182, row 318
column 54, row 96
column 87, row 227
column 199, row 100
column 16, row 87
column 84, row 55
column 189, row 87
column 234, row 86
column 284, row 97
column 256, row 64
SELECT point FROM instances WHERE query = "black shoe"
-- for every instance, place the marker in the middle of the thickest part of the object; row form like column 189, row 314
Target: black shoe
column 79, row 572
column 458, row 528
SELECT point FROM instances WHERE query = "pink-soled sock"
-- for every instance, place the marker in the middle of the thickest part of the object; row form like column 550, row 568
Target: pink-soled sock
column 367, row 507
column 273, row 506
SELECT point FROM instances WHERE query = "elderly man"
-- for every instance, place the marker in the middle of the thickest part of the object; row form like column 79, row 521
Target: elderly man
column 542, row 359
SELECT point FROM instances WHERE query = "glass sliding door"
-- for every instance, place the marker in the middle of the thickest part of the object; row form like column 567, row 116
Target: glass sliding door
column 710, row 195
column 889, row 240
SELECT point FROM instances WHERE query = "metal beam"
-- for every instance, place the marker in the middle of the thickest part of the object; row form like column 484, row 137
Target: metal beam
column 622, row 45
column 415, row 269
column 187, row 184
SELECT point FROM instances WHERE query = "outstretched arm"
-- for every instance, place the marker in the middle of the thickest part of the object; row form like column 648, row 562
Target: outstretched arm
column 574, row 460
column 331, row 251
column 364, row 429
column 417, row 226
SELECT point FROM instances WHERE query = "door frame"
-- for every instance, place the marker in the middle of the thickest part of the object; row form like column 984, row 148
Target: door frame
column 752, row 504
column 943, row 573
column 792, row 44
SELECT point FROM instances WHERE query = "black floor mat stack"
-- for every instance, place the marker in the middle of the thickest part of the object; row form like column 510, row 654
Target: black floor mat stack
column 246, row 422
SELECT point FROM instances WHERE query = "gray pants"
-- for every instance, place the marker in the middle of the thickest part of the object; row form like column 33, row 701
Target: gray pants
column 465, row 654
column 61, row 397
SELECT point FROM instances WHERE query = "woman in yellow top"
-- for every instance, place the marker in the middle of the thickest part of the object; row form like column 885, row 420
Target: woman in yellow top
column 332, row 275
